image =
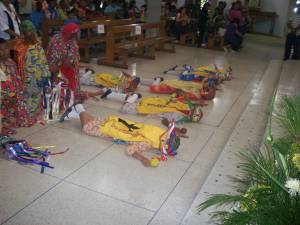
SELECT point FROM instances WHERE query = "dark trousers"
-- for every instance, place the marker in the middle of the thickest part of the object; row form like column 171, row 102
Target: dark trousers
column 292, row 42
column 235, row 42
column 178, row 30
column 201, row 30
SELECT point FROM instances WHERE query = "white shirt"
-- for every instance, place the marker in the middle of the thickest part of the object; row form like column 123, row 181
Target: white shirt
column 4, row 21
column 295, row 19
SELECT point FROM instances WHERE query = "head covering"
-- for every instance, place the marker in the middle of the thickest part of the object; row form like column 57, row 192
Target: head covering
column 70, row 28
column 26, row 25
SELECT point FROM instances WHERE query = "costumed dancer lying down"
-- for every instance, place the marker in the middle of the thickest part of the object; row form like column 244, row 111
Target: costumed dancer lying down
column 125, row 83
column 140, row 137
column 168, row 108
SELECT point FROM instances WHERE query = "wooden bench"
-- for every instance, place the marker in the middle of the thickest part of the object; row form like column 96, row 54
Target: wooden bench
column 89, row 29
column 215, row 42
column 93, row 37
column 122, row 40
column 189, row 38
column 48, row 25
column 157, row 33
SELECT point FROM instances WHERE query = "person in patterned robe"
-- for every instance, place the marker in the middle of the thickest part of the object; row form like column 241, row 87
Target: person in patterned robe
column 14, row 112
column 33, row 69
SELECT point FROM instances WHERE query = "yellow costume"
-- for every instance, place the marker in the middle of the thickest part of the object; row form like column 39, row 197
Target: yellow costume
column 194, row 88
column 206, row 70
column 107, row 80
column 130, row 131
column 156, row 105
column 124, row 83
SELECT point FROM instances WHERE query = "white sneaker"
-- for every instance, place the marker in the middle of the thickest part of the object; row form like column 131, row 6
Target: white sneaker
column 226, row 49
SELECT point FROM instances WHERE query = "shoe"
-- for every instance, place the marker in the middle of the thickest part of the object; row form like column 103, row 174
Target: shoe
column 226, row 49
column 109, row 91
column 67, row 112
column 132, row 98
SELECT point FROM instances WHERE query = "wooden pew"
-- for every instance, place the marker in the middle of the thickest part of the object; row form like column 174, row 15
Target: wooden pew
column 157, row 33
column 215, row 42
column 122, row 40
column 88, row 28
column 186, row 37
column 93, row 37
column 46, row 26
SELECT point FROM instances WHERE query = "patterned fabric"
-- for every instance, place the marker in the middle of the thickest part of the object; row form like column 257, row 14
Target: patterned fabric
column 14, row 112
column 93, row 129
column 34, row 72
column 62, row 52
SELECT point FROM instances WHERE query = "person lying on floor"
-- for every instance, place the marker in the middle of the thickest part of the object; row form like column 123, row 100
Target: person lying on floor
column 139, row 137
column 169, row 108
column 126, row 83
column 123, row 83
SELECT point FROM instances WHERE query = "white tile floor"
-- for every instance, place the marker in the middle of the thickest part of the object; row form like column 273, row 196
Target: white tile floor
column 95, row 182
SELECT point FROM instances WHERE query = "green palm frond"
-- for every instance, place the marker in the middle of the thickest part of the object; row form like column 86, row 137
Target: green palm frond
column 218, row 200
column 263, row 198
column 288, row 115
column 259, row 167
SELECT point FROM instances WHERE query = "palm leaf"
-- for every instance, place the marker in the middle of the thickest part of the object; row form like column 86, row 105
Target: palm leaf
column 288, row 115
column 218, row 200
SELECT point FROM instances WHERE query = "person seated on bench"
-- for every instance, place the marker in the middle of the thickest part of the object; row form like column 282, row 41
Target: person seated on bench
column 182, row 22
column 139, row 137
column 219, row 19
column 232, row 37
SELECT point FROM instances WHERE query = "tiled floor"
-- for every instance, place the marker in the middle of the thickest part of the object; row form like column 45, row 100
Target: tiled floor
column 95, row 182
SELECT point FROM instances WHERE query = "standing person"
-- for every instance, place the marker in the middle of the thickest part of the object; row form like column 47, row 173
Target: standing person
column 25, row 9
column 63, row 56
column 9, row 21
column 33, row 69
column 202, row 24
column 13, row 107
column 293, row 36
column 37, row 16
column 236, row 13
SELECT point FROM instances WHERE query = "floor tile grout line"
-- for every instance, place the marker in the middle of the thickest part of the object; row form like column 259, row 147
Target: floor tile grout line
column 108, row 196
column 43, row 128
column 198, row 155
column 30, row 203
column 59, row 182
column 245, row 90
column 186, row 170
column 229, row 134
column 90, row 160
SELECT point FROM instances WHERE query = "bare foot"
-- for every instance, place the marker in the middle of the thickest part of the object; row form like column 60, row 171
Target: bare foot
column 146, row 162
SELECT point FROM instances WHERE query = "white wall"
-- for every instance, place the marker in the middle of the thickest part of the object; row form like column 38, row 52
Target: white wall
column 281, row 7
